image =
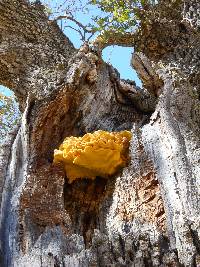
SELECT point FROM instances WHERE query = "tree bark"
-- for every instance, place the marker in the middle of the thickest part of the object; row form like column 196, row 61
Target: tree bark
column 145, row 215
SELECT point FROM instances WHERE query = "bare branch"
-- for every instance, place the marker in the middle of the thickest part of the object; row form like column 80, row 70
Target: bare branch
column 71, row 18
column 90, row 36
column 79, row 24
column 70, row 6
column 82, row 36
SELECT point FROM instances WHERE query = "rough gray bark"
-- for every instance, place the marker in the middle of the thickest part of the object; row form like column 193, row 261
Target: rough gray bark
column 147, row 215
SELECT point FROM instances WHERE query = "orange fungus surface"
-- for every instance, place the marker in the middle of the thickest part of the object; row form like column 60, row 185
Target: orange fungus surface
column 100, row 153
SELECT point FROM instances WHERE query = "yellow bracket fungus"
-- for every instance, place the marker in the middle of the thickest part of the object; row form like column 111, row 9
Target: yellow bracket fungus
column 98, row 154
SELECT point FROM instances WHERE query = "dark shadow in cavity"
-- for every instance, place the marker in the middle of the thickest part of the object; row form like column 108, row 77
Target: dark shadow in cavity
column 86, row 202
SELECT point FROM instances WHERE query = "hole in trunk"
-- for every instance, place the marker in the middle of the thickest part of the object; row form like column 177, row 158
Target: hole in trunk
column 83, row 202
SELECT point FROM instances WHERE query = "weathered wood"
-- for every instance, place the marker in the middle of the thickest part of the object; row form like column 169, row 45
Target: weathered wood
column 146, row 215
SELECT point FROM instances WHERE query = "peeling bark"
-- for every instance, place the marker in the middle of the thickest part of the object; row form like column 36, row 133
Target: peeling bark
column 145, row 215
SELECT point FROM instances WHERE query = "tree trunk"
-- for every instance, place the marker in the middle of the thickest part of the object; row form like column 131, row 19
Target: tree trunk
column 146, row 215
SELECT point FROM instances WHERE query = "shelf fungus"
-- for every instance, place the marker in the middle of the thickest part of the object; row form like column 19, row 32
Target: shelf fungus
column 95, row 154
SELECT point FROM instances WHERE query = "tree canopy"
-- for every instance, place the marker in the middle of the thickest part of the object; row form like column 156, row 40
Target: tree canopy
column 121, row 15
column 108, row 21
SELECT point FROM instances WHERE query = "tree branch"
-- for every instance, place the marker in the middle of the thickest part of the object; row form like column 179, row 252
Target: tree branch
column 79, row 24
column 27, row 39
column 114, row 38
column 79, row 32
column 71, row 18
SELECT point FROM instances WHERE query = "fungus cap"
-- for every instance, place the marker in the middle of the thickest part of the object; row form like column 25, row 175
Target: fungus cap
column 100, row 153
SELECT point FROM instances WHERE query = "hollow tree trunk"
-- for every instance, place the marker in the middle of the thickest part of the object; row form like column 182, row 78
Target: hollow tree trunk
column 147, row 215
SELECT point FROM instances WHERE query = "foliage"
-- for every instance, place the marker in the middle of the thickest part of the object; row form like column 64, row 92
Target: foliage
column 119, row 16
column 9, row 114
column 101, row 17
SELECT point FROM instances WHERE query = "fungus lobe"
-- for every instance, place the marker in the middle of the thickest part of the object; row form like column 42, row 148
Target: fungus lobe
column 100, row 153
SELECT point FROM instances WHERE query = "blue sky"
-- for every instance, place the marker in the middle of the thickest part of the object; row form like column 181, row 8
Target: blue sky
column 118, row 56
